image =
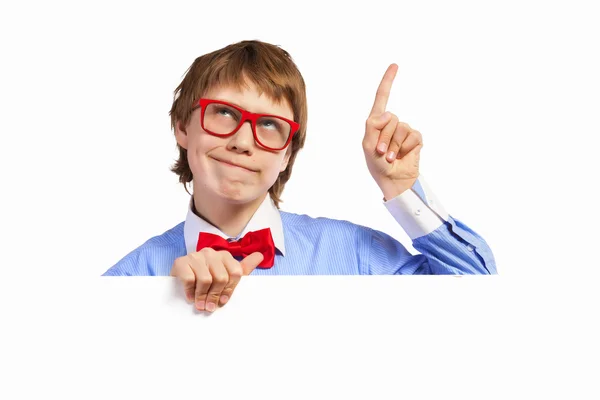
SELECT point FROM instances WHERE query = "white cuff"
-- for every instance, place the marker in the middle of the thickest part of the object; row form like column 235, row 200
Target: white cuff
column 415, row 217
column 432, row 201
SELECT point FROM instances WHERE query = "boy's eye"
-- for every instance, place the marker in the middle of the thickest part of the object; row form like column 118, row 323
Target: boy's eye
column 224, row 111
column 269, row 123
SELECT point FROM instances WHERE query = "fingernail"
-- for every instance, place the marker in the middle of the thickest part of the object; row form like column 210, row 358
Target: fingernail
column 391, row 155
column 224, row 299
column 200, row 305
column 382, row 146
column 211, row 307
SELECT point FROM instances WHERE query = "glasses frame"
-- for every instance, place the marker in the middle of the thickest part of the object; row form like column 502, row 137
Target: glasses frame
column 246, row 116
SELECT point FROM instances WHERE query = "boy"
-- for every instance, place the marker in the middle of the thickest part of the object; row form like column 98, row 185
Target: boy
column 239, row 118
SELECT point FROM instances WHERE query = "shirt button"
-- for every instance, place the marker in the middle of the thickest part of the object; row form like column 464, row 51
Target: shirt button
column 470, row 248
column 418, row 212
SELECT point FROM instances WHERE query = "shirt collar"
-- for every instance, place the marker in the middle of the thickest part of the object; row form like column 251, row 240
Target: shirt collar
column 267, row 216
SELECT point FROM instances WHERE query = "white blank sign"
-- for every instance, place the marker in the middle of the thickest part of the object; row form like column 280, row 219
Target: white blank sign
column 307, row 337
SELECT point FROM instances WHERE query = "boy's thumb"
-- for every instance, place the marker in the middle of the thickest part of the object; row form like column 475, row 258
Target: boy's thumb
column 251, row 262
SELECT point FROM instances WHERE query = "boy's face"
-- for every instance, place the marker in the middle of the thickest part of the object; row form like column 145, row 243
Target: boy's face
column 209, row 155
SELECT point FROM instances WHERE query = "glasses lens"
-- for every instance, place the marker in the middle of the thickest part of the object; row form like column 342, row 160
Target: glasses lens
column 221, row 119
column 272, row 131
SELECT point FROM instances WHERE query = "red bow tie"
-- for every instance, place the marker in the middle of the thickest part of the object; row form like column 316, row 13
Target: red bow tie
column 260, row 241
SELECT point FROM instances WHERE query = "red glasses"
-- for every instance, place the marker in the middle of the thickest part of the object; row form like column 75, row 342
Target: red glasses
column 223, row 119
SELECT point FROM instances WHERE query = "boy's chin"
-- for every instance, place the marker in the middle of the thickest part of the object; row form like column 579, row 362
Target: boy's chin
column 241, row 197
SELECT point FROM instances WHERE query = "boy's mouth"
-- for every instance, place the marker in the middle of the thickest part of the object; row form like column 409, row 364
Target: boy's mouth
column 234, row 165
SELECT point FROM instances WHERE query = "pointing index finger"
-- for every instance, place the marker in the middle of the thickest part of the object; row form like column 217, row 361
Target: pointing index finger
column 383, row 91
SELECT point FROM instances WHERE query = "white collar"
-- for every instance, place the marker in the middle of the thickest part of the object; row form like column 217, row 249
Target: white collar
column 267, row 216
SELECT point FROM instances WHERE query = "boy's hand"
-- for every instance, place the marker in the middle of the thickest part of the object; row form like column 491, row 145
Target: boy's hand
column 392, row 148
column 209, row 276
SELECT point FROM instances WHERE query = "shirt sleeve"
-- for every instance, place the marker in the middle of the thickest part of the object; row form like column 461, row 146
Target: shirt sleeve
column 125, row 267
column 447, row 245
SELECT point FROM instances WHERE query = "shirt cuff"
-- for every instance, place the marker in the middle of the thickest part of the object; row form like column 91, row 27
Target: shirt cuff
column 430, row 198
column 417, row 210
column 413, row 214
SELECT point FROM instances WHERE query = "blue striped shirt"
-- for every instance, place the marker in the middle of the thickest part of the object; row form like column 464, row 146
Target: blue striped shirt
column 324, row 246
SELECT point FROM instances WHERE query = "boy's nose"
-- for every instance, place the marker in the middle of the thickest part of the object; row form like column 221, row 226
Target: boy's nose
column 244, row 137
column 246, row 126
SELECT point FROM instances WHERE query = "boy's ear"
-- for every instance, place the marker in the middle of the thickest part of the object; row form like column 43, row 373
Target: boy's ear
column 181, row 135
column 286, row 159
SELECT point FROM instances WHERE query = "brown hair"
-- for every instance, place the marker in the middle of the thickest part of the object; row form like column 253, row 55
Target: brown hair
column 273, row 72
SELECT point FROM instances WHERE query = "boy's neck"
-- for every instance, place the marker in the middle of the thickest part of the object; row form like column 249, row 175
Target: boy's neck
column 231, row 219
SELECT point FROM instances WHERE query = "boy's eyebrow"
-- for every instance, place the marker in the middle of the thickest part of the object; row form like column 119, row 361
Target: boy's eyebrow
column 233, row 102
column 236, row 104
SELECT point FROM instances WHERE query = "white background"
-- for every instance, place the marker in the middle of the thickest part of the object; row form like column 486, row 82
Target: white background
column 506, row 96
